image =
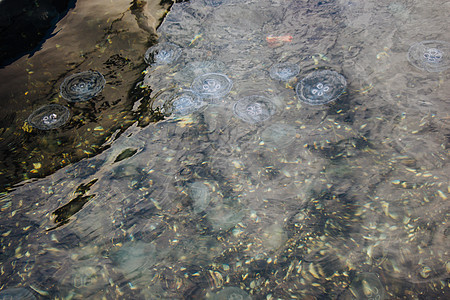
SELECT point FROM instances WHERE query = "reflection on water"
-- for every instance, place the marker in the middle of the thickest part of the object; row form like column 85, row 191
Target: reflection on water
column 257, row 195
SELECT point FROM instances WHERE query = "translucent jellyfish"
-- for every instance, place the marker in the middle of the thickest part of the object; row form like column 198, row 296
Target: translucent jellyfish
column 284, row 71
column 134, row 256
column 49, row 117
column 431, row 56
column 278, row 135
column 184, row 103
column 215, row 3
column 367, row 286
column 231, row 293
column 16, row 293
column 223, row 217
column 162, row 54
column 213, row 85
column 321, row 87
column 82, row 86
column 199, row 193
column 254, row 109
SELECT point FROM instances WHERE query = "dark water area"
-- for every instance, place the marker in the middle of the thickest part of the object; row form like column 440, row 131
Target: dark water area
column 34, row 81
column 25, row 24
column 229, row 149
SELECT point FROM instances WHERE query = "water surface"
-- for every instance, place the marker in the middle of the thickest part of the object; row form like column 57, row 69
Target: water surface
column 350, row 202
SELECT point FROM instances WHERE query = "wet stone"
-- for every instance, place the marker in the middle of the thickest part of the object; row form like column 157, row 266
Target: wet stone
column 284, row 71
column 162, row 54
column 278, row 135
column 254, row 109
column 431, row 56
column 16, row 293
column 185, row 103
column 321, row 87
column 367, row 286
column 231, row 293
column 49, row 117
column 213, row 85
column 82, row 86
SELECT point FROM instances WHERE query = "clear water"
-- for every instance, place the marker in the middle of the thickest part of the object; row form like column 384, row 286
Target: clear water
column 351, row 202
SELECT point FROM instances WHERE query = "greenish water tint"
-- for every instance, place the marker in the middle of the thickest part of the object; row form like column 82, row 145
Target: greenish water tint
column 280, row 200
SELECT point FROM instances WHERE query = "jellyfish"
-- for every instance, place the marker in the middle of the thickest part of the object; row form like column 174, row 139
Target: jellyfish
column 431, row 56
column 321, row 87
column 199, row 193
column 49, row 117
column 284, row 71
column 254, row 109
column 82, row 86
column 231, row 293
column 184, row 103
column 215, row 3
column 278, row 135
column 17, row 293
column 133, row 257
column 367, row 286
column 162, row 54
column 214, row 85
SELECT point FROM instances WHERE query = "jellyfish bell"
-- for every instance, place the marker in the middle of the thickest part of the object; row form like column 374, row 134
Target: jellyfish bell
column 284, row 71
column 214, row 85
column 214, row 3
column 82, row 86
column 162, row 54
column 17, row 293
column 231, row 293
column 367, row 286
column 184, row 103
column 254, row 109
column 321, row 87
column 278, row 135
column 431, row 56
column 49, row 117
